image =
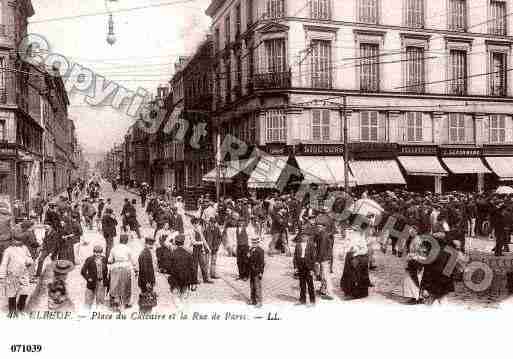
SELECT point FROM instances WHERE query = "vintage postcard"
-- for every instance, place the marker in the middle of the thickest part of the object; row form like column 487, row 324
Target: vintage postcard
column 253, row 160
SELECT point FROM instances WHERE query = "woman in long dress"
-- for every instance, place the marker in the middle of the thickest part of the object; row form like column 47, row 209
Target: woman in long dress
column 123, row 265
column 355, row 280
column 414, row 272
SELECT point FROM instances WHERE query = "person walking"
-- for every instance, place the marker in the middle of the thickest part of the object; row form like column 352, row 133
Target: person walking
column 49, row 248
column 256, row 265
column 109, row 224
column 95, row 273
column 122, row 265
column 146, row 278
column 15, row 275
column 214, row 239
column 304, row 261
column 200, row 250
column 181, row 269
column 242, row 249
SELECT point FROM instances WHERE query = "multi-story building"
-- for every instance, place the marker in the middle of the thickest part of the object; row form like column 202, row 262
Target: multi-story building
column 428, row 88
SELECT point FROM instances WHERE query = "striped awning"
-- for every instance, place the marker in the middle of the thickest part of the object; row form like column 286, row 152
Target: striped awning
column 465, row 165
column 324, row 170
column 228, row 170
column 267, row 172
column 377, row 172
column 502, row 167
column 422, row 165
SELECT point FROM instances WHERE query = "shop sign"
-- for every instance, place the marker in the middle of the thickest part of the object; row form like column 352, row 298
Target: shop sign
column 322, row 149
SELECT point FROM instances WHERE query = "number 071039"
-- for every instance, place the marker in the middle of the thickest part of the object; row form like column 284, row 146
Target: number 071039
column 26, row 348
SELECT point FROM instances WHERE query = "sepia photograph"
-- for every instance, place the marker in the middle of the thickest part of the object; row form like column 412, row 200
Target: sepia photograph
column 259, row 161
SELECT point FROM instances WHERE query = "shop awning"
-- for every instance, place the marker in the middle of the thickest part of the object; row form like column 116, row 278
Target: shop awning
column 323, row 170
column 267, row 172
column 465, row 165
column 502, row 167
column 422, row 165
column 377, row 172
column 229, row 170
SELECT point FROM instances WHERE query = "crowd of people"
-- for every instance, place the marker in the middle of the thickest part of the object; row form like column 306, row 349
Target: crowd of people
column 183, row 244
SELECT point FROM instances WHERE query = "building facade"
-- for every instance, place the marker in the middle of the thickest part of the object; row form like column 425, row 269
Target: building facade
column 428, row 89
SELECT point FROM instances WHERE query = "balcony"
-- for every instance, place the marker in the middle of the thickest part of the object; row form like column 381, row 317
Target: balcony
column 273, row 80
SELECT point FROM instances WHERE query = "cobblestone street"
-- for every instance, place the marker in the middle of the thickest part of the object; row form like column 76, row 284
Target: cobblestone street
column 279, row 286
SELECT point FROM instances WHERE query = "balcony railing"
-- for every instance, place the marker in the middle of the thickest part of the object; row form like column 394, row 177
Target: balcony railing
column 273, row 80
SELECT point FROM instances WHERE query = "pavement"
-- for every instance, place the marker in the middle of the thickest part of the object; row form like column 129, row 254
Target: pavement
column 279, row 286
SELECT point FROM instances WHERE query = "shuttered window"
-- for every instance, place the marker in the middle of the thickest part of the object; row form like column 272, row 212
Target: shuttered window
column 275, row 55
column 321, row 64
column 498, row 74
column 227, row 31
column 320, row 9
column 415, row 78
column 498, row 129
column 369, row 67
column 369, row 126
column 497, row 23
column 276, row 126
column 320, row 125
column 414, row 126
column 368, row 11
column 458, row 69
column 458, row 15
column 414, row 13
column 461, row 128
column 274, row 8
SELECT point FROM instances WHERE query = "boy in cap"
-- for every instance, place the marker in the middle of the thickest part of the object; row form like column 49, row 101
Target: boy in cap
column 94, row 271
column 256, row 265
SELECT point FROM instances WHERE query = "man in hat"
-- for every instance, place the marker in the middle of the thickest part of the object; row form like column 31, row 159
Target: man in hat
column 95, row 272
column 256, row 265
column 88, row 211
column 181, row 268
column 214, row 239
column 101, row 207
column 242, row 249
column 146, row 280
column 200, row 250
column 305, row 257
column 38, row 206
column 109, row 224
column 52, row 218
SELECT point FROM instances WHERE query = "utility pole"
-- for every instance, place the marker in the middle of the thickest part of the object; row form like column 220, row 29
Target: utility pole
column 346, row 146
column 218, row 164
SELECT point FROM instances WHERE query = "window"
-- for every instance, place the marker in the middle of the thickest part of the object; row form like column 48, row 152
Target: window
column 237, row 20
column 415, row 69
column 497, row 23
column 498, row 74
column 457, row 128
column 320, row 9
column 2, row 74
column 414, row 13
column 228, row 76
column 2, row 130
column 414, row 126
column 458, row 15
column 369, row 126
column 368, row 11
column 369, row 67
column 320, row 125
column 497, row 129
column 321, row 64
column 227, row 31
column 249, row 12
column 274, row 9
column 252, row 128
column 458, row 70
column 276, row 126
column 239, row 74
column 275, row 50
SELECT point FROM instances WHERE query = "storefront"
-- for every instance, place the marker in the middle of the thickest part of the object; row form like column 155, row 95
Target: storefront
column 466, row 170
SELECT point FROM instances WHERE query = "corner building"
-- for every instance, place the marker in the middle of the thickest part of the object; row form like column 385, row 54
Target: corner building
column 428, row 88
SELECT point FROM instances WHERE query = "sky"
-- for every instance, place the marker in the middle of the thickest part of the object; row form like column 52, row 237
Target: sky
column 149, row 40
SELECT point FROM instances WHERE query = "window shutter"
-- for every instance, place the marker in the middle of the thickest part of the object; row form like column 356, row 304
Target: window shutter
column 486, row 129
column 401, row 128
column 354, row 129
column 469, row 129
column 427, row 127
column 335, row 127
column 509, row 129
column 444, row 132
column 382, row 127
